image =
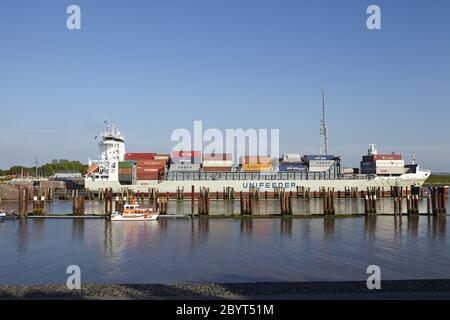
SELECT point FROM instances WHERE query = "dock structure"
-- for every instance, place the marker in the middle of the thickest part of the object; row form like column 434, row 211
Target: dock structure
column 406, row 200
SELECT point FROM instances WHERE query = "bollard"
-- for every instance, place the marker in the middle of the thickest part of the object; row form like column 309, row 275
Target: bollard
column 328, row 202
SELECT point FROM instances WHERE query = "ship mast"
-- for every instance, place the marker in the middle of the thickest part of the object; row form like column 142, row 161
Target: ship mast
column 323, row 129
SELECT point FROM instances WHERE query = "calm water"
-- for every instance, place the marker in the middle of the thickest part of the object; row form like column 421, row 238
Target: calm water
column 224, row 250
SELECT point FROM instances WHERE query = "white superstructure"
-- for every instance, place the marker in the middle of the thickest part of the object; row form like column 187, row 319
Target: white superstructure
column 112, row 150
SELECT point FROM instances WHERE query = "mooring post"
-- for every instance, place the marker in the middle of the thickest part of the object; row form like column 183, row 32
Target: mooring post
column 192, row 200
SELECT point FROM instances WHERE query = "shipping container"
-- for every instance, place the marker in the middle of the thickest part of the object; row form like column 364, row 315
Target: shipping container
column 291, row 157
column 309, row 157
column 318, row 169
column 125, row 177
column 186, row 154
column 127, row 163
column 298, row 167
column 139, row 156
column 186, row 160
column 255, row 160
column 162, row 157
column 256, row 167
column 148, row 176
column 125, row 170
column 347, row 171
column 382, row 157
column 217, row 163
column 393, row 163
column 321, row 163
column 151, row 163
column 184, row 167
column 383, row 163
column 216, row 169
column 148, row 170
column 217, row 156
column 390, row 170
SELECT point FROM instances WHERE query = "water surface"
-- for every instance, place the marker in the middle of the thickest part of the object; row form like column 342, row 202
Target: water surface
column 224, row 250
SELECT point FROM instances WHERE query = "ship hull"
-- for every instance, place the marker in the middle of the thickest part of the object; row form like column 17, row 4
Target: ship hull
column 405, row 180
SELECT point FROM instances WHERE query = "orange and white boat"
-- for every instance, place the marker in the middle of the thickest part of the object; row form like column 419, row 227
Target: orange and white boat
column 133, row 212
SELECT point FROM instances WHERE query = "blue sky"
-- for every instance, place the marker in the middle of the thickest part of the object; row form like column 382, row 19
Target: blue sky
column 154, row 66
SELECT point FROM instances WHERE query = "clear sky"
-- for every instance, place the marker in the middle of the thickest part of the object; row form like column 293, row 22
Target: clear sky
column 154, row 66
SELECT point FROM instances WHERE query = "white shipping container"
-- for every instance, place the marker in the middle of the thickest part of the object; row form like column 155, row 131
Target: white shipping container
column 390, row 163
column 390, row 170
column 321, row 163
column 161, row 157
column 184, row 167
column 347, row 171
column 318, row 169
column 217, row 163
column 292, row 157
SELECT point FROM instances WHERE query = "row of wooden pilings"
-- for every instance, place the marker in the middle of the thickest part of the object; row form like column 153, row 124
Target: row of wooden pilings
column 436, row 199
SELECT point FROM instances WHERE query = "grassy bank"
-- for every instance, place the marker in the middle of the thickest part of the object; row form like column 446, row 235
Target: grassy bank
column 434, row 179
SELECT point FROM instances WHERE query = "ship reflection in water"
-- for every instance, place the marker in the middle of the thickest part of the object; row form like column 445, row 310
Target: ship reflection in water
column 224, row 250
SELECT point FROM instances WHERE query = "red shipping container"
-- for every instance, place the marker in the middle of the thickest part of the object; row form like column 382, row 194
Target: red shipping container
column 125, row 170
column 151, row 163
column 148, row 170
column 186, row 154
column 216, row 169
column 387, row 157
column 217, row 156
column 139, row 156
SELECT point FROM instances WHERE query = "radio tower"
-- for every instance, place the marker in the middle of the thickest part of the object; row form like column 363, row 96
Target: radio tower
column 36, row 164
column 323, row 129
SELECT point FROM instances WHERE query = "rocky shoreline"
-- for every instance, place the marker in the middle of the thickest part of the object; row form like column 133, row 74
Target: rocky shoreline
column 211, row 290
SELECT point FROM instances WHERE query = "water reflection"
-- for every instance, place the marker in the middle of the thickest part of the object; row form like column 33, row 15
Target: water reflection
column 286, row 226
column 328, row 227
column 246, row 227
column 437, row 227
column 78, row 229
column 413, row 225
column 203, row 225
column 204, row 249
column 370, row 226
column 22, row 237
column 398, row 225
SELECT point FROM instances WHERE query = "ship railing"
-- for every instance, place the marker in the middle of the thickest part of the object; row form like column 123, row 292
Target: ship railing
column 232, row 176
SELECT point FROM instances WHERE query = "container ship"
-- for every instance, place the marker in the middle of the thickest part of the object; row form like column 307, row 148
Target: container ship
column 118, row 169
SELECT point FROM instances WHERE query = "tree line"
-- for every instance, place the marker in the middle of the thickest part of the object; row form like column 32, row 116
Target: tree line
column 47, row 169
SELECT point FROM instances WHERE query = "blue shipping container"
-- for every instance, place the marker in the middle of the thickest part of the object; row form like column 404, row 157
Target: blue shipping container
column 292, row 167
column 309, row 157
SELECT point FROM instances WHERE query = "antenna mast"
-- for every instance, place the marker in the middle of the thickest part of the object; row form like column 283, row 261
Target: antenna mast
column 323, row 129
column 36, row 164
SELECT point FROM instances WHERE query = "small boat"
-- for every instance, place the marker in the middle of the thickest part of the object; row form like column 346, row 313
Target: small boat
column 133, row 212
column 2, row 214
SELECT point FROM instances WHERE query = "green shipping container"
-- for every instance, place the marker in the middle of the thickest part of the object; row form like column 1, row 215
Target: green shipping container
column 127, row 163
